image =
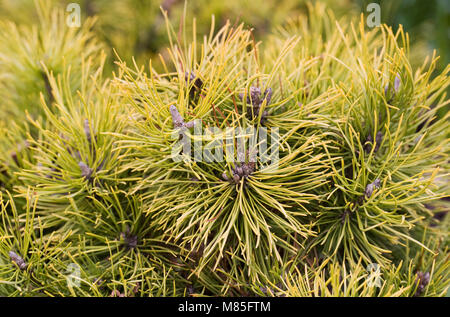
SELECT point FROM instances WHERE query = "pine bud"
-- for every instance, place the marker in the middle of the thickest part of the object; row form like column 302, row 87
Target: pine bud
column 86, row 171
column 18, row 260
column 87, row 130
column 422, row 280
column 371, row 187
column 397, row 83
column 177, row 119
column 378, row 140
column 197, row 83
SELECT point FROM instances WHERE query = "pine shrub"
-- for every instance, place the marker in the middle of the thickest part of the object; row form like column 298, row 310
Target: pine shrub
column 98, row 198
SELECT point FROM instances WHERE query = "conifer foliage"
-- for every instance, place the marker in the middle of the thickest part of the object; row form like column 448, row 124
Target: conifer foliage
column 99, row 198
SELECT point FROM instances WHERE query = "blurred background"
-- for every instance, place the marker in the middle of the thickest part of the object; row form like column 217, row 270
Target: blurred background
column 137, row 27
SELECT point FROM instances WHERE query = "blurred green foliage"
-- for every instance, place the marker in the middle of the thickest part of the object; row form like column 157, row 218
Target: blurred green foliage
column 427, row 22
column 136, row 27
column 86, row 179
